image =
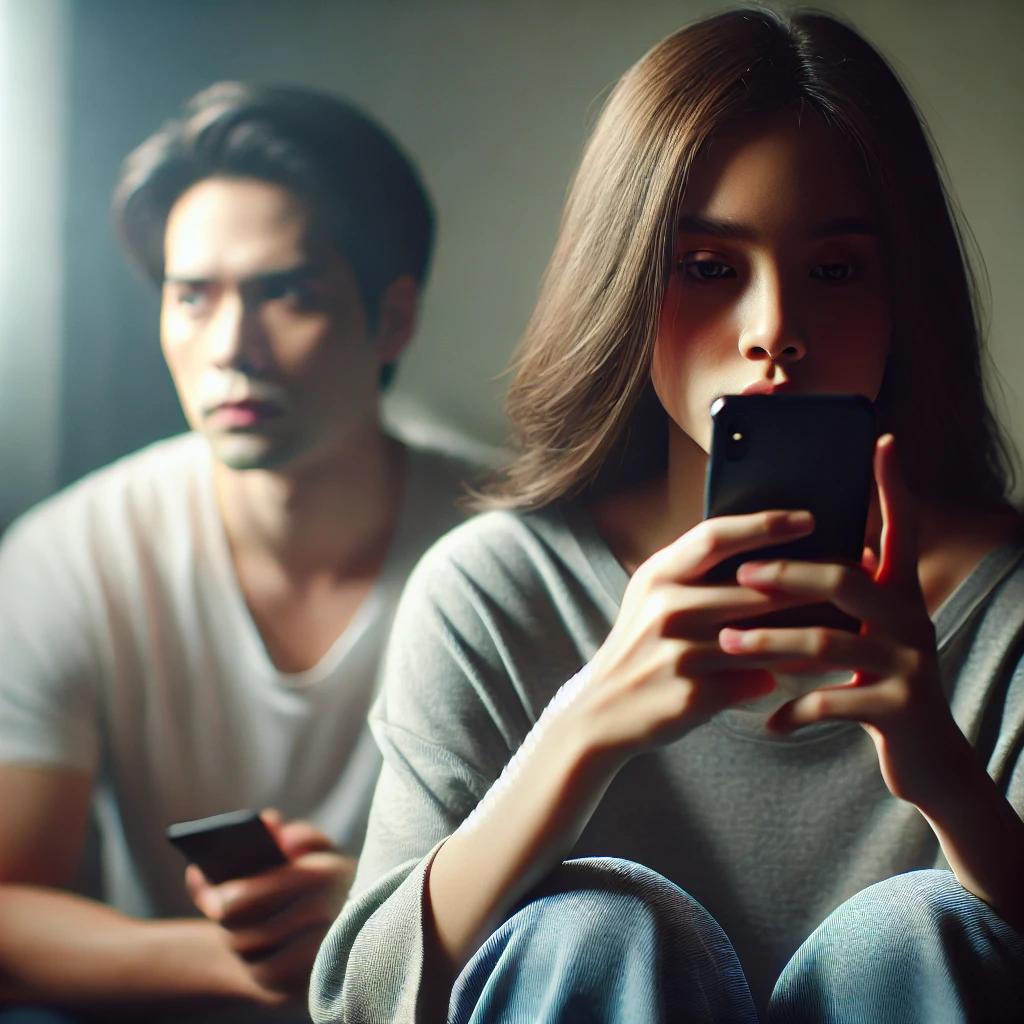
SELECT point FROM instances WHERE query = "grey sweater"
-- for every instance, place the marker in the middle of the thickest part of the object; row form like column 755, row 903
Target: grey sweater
column 770, row 833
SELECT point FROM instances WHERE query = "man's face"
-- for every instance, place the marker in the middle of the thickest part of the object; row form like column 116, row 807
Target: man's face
column 264, row 332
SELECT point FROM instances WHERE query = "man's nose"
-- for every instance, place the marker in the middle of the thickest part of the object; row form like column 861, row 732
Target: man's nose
column 236, row 336
column 772, row 327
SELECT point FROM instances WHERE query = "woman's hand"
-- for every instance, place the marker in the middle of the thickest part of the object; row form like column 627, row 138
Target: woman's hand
column 661, row 671
column 275, row 921
column 895, row 690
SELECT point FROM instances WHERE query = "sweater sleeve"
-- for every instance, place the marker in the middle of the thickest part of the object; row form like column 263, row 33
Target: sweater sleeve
column 451, row 712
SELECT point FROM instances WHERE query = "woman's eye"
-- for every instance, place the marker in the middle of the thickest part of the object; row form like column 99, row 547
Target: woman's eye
column 706, row 270
column 835, row 273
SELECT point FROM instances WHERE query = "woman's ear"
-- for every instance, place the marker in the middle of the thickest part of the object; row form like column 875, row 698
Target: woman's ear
column 397, row 313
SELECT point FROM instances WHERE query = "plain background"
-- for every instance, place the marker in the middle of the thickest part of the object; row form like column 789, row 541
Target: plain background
column 492, row 100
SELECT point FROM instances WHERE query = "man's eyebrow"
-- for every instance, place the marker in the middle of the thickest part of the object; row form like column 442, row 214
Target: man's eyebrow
column 285, row 276
column 278, row 277
column 694, row 224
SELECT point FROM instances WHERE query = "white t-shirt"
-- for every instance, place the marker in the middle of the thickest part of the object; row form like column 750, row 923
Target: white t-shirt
column 127, row 651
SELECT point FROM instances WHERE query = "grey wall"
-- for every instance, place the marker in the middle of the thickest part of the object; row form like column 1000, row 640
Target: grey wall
column 493, row 100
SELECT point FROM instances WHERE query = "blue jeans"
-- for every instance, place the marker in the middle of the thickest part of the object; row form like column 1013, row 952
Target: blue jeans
column 612, row 941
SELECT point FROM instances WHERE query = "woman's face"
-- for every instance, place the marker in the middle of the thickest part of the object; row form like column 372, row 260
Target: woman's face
column 777, row 280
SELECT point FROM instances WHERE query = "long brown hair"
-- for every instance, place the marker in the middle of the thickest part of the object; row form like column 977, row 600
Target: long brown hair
column 584, row 416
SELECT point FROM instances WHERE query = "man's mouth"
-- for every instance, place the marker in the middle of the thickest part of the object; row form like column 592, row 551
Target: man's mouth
column 247, row 413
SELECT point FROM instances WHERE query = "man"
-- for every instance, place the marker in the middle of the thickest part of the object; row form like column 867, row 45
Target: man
column 197, row 627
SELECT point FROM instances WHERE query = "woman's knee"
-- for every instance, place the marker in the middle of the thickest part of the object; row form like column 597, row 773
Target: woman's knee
column 916, row 943
column 604, row 933
column 605, row 909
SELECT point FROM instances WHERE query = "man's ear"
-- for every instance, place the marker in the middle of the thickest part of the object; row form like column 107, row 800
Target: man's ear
column 397, row 313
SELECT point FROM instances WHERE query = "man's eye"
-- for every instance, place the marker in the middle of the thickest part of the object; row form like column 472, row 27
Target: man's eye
column 835, row 273
column 299, row 295
column 195, row 299
column 706, row 270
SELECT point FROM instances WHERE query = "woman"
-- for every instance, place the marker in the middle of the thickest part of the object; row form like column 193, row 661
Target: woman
column 679, row 836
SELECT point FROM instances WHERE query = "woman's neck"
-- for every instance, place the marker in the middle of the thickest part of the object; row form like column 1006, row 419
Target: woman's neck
column 643, row 519
column 637, row 522
column 952, row 541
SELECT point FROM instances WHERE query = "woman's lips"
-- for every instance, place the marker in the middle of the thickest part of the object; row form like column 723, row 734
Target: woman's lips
column 766, row 387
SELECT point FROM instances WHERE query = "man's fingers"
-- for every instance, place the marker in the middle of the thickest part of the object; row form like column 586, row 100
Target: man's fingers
column 297, row 838
column 244, row 901
column 255, row 941
column 288, row 968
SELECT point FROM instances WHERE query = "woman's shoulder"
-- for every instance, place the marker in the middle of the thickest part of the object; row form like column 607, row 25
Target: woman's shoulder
column 499, row 539
column 516, row 560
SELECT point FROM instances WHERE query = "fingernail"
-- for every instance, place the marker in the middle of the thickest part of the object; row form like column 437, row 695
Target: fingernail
column 733, row 639
column 756, row 572
column 801, row 520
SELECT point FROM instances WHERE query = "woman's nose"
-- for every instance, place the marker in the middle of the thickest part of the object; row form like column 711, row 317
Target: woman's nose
column 772, row 327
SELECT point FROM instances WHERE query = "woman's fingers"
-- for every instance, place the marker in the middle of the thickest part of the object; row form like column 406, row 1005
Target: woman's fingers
column 848, row 587
column 867, row 704
column 699, row 550
column 815, row 649
column 689, row 610
column 697, row 659
column 898, row 548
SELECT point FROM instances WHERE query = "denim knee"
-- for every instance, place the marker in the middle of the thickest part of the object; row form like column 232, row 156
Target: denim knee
column 604, row 939
column 914, row 947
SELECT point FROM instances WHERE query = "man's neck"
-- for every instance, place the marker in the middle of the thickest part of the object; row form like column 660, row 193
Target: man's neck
column 334, row 514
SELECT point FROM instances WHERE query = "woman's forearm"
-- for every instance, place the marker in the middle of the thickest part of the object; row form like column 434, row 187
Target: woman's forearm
column 523, row 828
column 980, row 833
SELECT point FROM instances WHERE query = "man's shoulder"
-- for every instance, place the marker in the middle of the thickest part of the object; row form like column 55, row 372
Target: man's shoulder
column 134, row 491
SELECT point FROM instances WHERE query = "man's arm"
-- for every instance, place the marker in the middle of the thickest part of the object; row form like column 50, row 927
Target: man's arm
column 57, row 947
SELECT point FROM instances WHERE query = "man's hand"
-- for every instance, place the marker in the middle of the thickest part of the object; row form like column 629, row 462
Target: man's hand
column 275, row 921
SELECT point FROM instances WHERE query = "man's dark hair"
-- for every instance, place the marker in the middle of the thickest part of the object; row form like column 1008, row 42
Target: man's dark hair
column 362, row 193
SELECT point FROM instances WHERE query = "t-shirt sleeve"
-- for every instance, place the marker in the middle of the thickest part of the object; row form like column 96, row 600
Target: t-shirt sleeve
column 449, row 717
column 48, row 669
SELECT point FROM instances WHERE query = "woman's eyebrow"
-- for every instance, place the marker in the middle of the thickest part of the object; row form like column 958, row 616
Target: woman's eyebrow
column 846, row 226
column 695, row 224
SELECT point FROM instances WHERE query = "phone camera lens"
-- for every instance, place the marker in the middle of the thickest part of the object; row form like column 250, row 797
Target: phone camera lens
column 737, row 437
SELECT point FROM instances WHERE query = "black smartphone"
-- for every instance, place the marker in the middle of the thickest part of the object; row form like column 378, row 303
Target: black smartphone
column 811, row 452
column 230, row 845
